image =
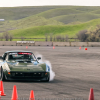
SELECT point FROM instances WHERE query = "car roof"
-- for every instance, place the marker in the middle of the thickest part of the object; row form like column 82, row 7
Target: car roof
column 17, row 51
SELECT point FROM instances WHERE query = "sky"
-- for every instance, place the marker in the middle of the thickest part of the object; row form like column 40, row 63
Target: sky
column 14, row 3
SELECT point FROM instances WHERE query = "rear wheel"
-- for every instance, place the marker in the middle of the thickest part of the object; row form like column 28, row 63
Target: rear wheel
column 2, row 75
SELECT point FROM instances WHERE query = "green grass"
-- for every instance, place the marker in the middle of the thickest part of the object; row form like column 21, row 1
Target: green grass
column 24, row 17
column 40, row 31
column 58, row 12
column 15, row 13
column 86, row 8
column 38, row 21
column 82, row 17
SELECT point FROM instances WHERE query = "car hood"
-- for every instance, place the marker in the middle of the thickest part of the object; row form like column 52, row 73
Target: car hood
column 27, row 66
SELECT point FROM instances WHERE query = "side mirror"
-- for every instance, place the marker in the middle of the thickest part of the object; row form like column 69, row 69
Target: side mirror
column 38, row 58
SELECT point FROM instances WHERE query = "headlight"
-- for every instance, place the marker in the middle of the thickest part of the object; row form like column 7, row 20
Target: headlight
column 47, row 68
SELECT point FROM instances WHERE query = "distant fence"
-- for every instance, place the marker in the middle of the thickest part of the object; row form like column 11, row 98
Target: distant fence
column 63, row 44
column 7, row 43
column 43, row 43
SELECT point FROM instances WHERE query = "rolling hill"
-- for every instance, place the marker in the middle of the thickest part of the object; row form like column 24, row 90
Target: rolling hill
column 82, row 17
column 38, row 20
column 40, row 31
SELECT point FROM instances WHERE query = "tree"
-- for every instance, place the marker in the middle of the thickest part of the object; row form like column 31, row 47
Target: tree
column 46, row 37
column 82, row 36
column 94, row 35
column 6, row 35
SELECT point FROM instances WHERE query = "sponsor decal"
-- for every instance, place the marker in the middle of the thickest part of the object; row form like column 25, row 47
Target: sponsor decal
column 24, row 53
column 14, row 53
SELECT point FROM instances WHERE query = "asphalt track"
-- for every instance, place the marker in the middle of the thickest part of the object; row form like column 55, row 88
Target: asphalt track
column 76, row 72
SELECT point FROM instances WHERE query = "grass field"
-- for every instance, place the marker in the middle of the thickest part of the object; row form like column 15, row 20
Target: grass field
column 38, row 21
column 40, row 31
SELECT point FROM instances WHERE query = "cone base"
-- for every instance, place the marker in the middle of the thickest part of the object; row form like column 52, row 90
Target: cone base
column 14, row 99
column 3, row 95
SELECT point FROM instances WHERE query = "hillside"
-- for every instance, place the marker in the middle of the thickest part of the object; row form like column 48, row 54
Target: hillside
column 83, row 17
column 40, row 31
column 38, row 20
column 15, row 13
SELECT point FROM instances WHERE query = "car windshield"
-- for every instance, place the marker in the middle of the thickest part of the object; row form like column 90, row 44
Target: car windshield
column 21, row 56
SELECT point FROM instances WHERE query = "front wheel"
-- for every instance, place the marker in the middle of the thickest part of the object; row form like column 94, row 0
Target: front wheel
column 2, row 75
column 47, row 79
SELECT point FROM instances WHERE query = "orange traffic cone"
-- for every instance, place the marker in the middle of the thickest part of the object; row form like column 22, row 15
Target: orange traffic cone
column 79, row 47
column 91, row 95
column 53, row 47
column 32, row 95
column 26, row 47
column 14, row 93
column 2, row 89
column 85, row 48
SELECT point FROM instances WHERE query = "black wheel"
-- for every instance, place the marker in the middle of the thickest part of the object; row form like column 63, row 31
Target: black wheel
column 2, row 75
column 47, row 79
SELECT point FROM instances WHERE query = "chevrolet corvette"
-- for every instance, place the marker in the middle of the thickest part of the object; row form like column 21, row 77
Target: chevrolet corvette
column 23, row 65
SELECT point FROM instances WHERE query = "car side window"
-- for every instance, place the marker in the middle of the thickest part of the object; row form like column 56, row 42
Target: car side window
column 4, row 56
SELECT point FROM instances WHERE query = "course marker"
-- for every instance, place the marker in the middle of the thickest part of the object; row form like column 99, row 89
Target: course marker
column 32, row 97
column 2, row 89
column 91, row 95
column 14, row 93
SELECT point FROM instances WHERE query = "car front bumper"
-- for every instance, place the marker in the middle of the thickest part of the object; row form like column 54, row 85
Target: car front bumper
column 27, row 75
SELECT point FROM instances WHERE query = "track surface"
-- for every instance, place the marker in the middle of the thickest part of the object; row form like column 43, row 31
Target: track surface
column 76, row 72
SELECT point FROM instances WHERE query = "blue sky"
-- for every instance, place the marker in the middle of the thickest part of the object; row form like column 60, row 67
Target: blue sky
column 13, row 3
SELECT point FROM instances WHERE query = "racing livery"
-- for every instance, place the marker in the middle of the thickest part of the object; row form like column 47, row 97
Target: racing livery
column 23, row 65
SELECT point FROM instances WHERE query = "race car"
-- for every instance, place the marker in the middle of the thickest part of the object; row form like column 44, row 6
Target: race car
column 23, row 65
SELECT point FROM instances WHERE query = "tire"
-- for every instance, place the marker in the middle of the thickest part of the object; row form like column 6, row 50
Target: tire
column 47, row 80
column 2, row 75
